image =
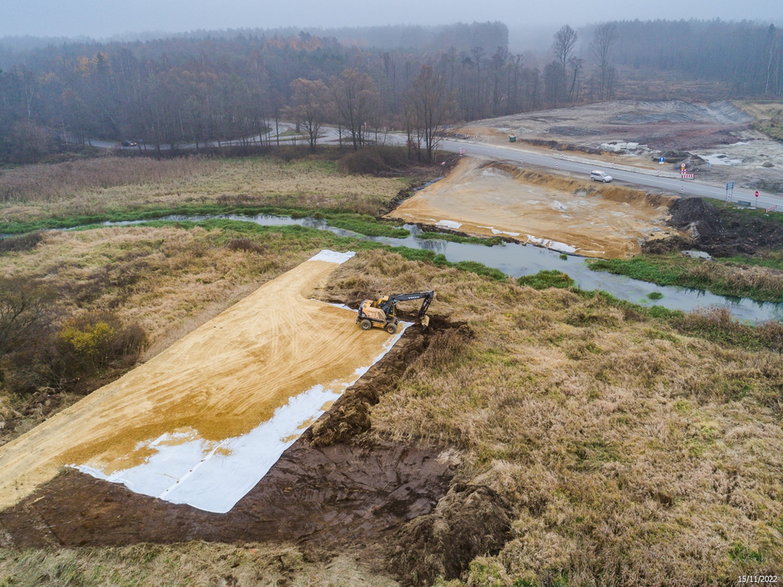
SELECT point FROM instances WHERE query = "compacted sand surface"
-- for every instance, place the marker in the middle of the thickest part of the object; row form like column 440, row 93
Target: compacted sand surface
column 573, row 216
column 220, row 381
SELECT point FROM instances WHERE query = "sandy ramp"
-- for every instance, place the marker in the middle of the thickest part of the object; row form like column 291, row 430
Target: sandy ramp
column 491, row 199
column 249, row 380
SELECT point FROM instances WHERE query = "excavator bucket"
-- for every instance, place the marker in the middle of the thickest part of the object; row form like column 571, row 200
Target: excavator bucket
column 425, row 321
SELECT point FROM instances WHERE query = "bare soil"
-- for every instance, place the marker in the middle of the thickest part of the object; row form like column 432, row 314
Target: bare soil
column 325, row 496
column 491, row 199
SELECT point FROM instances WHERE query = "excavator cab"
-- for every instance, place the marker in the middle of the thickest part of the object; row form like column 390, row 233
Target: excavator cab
column 382, row 313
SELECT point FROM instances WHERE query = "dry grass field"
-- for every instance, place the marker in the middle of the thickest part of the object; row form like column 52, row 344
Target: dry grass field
column 111, row 184
column 630, row 452
column 197, row 563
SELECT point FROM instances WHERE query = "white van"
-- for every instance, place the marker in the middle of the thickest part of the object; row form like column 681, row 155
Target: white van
column 600, row 176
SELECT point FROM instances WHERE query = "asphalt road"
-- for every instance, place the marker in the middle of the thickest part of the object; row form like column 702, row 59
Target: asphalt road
column 665, row 181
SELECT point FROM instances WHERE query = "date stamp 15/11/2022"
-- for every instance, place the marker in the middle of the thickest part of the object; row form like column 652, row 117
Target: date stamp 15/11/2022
column 757, row 579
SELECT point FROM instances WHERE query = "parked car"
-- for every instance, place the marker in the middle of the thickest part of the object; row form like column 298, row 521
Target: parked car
column 600, row 176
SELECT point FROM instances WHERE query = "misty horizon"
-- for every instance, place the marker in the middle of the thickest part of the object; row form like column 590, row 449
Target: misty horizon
column 147, row 18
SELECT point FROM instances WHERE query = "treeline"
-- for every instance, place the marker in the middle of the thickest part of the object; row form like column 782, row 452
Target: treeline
column 193, row 90
column 197, row 89
column 746, row 55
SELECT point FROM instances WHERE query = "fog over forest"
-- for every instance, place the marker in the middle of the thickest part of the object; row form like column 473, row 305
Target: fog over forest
column 214, row 73
column 112, row 17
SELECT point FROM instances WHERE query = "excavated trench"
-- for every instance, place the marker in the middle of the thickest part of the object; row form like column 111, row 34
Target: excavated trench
column 335, row 487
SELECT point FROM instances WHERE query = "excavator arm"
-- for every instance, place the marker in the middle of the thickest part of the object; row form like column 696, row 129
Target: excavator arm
column 427, row 296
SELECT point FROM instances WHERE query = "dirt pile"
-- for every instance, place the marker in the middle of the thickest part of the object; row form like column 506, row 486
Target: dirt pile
column 469, row 521
column 720, row 232
column 350, row 414
column 696, row 217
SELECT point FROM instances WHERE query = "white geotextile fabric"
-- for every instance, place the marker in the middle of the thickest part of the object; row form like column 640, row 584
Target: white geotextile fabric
column 214, row 476
column 332, row 256
column 448, row 224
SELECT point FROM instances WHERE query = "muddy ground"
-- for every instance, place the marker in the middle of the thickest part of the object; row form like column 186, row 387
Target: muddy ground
column 715, row 139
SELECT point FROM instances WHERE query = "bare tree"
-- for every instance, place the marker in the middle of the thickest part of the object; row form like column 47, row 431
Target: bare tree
column 577, row 65
column 563, row 48
column 356, row 100
column 310, row 106
column 429, row 105
column 604, row 37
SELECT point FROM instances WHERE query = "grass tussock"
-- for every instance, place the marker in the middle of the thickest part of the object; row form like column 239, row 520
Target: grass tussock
column 633, row 448
column 24, row 242
column 546, row 279
column 458, row 238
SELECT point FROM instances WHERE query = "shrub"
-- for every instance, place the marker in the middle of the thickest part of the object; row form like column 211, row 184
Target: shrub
column 25, row 310
column 374, row 161
column 93, row 342
column 244, row 244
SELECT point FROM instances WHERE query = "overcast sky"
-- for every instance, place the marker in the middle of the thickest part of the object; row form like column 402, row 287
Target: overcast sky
column 102, row 18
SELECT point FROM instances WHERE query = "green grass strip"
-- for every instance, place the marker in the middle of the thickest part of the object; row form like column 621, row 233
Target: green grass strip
column 457, row 238
column 326, row 238
column 692, row 273
column 359, row 223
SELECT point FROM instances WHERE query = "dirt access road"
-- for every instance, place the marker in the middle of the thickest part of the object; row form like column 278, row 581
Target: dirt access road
column 573, row 216
column 218, row 382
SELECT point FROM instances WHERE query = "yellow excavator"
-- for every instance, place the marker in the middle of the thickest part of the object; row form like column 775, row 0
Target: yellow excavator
column 382, row 313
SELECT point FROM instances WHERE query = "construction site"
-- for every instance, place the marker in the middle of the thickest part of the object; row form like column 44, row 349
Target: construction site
column 316, row 407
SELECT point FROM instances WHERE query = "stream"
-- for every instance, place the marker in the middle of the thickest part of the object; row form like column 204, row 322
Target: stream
column 517, row 260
